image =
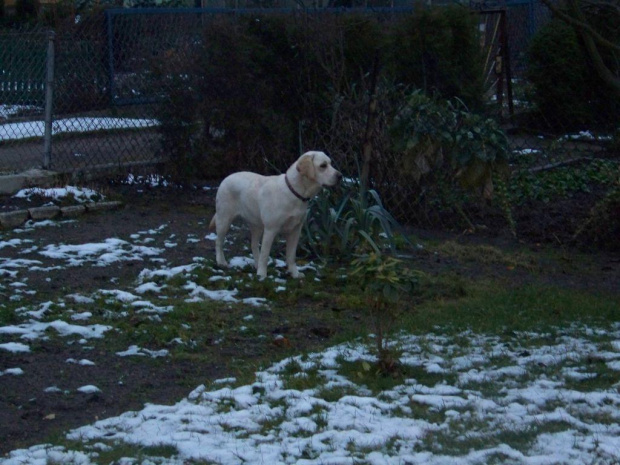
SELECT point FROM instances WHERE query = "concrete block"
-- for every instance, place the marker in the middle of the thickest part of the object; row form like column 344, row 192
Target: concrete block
column 40, row 178
column 14, row 218
column 11, row 183
column 44, row 213
column 100, row 206
column 72, row 211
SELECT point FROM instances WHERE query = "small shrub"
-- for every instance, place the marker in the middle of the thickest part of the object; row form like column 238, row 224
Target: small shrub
column 602, row 228
column 384, row 280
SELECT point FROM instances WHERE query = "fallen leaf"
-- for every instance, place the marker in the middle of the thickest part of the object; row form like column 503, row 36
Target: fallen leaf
column 282, row 342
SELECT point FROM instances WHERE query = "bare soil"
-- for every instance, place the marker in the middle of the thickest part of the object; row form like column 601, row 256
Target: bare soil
column 30, row 416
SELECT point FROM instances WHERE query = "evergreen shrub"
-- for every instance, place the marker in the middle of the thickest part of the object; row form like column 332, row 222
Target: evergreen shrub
column 567, row 92
column 246, row 95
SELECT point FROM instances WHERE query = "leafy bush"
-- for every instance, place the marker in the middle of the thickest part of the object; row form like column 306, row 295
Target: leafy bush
column 229, row 111
column 567, row 92
column 437, row 50
column 289, row 73
column 430, row 133
column 561, row 182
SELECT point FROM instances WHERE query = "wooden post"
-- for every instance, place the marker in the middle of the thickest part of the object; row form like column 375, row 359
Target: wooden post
column 370, row 122
column 49, row 101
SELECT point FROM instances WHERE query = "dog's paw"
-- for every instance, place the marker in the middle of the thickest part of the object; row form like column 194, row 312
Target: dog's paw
column 297, row 275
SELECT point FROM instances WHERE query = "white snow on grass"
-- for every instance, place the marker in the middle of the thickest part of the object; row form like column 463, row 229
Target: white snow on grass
column 83, row 362
column 89, row 389
column 10, row 243
column 517, row 409
column 79, row 194
column 15, row 347
column 99, row 254
column 151, row 180
column 526, row 152
column 34, row 330
column 586, row 135
column 12, row 371
column 165, row 273
column 139, row 351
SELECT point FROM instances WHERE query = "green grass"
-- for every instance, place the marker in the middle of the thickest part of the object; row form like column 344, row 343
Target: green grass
column 491, row 308
column 8, row 316
column 486, row 255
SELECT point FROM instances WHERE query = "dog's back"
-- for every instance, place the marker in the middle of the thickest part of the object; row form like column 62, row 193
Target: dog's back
column 237, row 196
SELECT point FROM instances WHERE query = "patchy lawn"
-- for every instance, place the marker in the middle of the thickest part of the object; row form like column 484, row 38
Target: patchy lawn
column 507, row 353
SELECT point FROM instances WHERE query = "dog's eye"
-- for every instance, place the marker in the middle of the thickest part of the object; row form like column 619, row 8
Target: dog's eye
column 323, row 165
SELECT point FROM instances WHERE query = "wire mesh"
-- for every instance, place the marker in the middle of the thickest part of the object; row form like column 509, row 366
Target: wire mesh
column 113, row 70
column 22, row 98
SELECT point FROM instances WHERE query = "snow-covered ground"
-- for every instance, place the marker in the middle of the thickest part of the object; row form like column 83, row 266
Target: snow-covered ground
column 450, row 422
column 28, row 129
column 469, row 398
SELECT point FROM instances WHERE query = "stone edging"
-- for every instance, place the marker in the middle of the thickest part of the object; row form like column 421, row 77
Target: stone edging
column 19, row 217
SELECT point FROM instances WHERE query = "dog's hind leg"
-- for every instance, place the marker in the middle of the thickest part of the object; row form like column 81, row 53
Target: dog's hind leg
column 257, row 233
column 222, row 225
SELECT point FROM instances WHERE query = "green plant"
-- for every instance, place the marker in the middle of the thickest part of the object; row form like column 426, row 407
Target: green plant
column 358, row 222
column 602, row 227
column 504, row 203
column 430, row 133
column 384, row 281
column 561, row 182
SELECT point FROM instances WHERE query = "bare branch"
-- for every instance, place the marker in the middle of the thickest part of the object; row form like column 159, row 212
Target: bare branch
column 581, row 24
column 601, row 68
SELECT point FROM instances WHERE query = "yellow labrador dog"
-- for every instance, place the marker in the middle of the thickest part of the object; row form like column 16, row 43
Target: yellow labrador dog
column 271, row 204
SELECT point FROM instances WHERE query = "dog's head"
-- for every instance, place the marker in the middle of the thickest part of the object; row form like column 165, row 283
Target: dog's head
column 317, row 167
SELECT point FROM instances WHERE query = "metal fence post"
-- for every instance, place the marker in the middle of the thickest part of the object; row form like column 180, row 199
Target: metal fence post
column 49, row 101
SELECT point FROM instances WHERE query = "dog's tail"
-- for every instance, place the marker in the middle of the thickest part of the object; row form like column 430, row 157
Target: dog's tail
column 212, row 224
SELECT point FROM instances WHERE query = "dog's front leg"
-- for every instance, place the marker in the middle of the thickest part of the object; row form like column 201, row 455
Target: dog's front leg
column 292, row 240
column 268, row 236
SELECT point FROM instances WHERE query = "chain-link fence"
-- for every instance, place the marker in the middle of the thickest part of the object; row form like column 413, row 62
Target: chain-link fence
column 116, row 73
column 103, row 86
column 22, row 97
column 83, row 129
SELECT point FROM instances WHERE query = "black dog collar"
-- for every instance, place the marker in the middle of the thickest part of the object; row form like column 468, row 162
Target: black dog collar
column 295, row 193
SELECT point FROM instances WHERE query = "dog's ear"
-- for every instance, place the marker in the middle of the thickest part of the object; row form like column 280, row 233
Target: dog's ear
column 305, row 165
